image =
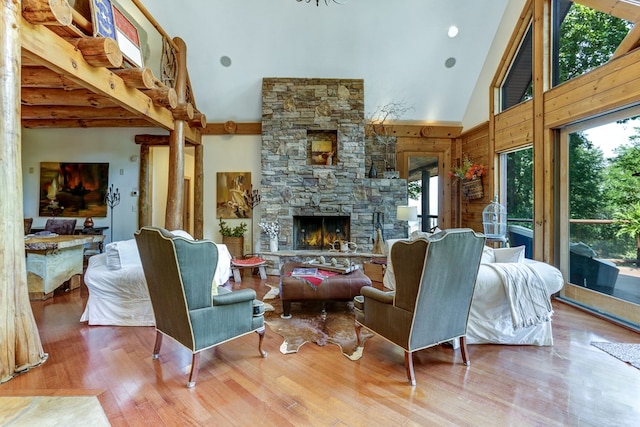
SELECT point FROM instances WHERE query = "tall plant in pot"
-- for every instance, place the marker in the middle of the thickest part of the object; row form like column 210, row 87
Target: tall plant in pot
column 233, row 238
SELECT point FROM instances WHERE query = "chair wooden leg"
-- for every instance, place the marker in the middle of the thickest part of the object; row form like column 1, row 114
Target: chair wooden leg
column 408, row 364
column 358, row 329
column 195, row 367
column 260, row 333
column 158, row 344
column 463, row 350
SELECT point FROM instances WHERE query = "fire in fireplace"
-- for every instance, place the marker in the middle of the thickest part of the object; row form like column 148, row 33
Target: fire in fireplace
column 319, row 232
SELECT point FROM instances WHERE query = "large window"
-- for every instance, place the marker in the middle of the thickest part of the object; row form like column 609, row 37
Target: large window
column 517, row 168
column 603, row 206
column 584, row 39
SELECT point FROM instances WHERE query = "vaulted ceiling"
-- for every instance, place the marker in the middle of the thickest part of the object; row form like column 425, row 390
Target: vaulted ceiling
column 400, row 48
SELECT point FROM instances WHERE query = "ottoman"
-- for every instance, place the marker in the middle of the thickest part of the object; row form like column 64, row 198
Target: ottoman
column 339, row 287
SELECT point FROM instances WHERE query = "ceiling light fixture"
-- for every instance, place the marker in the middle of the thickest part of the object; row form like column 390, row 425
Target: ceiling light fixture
column 318, row 1
column 453, row 31
column 450, row 62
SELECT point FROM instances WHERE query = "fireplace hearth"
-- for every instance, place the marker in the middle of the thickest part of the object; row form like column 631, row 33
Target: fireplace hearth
column 319, row 232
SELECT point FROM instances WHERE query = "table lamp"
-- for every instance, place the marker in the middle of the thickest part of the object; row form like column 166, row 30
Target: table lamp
column 407, row 213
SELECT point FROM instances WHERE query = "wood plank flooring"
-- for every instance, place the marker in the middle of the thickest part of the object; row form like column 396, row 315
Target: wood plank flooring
column 571, row 383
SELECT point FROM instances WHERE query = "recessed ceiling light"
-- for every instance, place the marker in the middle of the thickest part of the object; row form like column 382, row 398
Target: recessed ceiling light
column 450, row 62
column 453, row 31
column 225, row 61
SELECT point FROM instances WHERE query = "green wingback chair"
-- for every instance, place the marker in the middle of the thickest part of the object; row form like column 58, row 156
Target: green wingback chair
column 435, row 280
column 179, row 274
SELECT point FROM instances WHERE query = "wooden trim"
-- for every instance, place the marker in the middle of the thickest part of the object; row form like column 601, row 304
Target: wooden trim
column 249, row 128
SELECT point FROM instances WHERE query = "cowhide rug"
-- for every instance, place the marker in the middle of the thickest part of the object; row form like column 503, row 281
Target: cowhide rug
column 309, row 323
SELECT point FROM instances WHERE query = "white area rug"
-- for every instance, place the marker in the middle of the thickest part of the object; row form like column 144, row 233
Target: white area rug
column 44, row 411
column 629, row 353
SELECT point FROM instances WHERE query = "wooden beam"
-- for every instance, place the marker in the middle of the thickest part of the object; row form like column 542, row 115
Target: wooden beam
column 629, row 43
column 156, row 140
column 46, row 112
column 623, row 9
column 241, row 129
column 422, row 129
column 42, row 77
column 77, row 98
column 99, row 51
column 38, row 43
column 86, row 123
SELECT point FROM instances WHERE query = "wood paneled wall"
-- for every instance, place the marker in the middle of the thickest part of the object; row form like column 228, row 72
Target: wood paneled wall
column 475, row 145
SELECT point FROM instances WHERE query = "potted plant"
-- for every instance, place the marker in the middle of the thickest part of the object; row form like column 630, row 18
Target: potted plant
column 233, row 238
column 629, row 221
column 470, row 175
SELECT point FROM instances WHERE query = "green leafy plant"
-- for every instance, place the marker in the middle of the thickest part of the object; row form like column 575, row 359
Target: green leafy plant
column 237, row 231
column 629, row 221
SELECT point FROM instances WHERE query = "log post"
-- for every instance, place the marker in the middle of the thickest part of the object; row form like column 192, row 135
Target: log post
column 144, row 196
column 173, row 213
column 139, row 78
column 198, row 192
column 20, row 345
column 47, row 12
column 99, row 51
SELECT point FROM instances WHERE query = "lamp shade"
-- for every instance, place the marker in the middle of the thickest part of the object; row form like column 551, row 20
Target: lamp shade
column 407, row 213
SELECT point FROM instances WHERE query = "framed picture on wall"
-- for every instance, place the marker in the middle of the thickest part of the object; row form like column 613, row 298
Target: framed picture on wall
column 128, row 38
column 233, row 193
column 73, row 189
column 102, row 15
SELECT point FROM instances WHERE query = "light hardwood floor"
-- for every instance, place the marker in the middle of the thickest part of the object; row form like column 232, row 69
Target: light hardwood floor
column 571, row 383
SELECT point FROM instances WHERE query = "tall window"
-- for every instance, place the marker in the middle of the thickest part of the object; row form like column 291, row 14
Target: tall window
column 517, row 86
column 584, row 39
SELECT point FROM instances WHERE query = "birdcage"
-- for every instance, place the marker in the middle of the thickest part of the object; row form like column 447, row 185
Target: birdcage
column 494, row 220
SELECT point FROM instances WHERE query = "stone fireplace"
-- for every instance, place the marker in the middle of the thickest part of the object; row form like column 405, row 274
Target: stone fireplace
column 319, row 232
column 314, row 162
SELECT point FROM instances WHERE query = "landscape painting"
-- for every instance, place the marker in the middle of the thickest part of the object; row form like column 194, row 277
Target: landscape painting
column 73, row 189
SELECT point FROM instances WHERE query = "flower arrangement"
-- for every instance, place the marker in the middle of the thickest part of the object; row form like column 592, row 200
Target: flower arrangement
column 467, row 171
column 271, row 229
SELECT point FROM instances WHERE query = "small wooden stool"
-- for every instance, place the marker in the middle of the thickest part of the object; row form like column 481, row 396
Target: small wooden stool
column 237, row 264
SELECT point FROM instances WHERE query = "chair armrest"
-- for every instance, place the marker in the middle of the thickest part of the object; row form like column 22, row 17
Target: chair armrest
column 234, row 297
column 377, row 294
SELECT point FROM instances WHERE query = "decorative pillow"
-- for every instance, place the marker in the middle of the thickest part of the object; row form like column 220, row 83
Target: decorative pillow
column 182, row 233
column 509, row 254
column 113, row 258
column 488, row 256
column 423, row 234
column 121, row 254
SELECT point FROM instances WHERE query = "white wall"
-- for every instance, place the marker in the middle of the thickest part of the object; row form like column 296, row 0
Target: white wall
column 229, row 153
column 113, row 146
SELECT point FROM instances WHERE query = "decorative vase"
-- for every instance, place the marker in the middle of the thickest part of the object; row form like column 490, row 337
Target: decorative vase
column 273, row 244
column 373, row 172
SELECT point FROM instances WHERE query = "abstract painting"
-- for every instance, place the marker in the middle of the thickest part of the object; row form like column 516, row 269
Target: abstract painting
column 73, row 189
column 233, row 193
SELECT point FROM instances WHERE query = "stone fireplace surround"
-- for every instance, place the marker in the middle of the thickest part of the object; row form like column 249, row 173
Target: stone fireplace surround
column 293, row 185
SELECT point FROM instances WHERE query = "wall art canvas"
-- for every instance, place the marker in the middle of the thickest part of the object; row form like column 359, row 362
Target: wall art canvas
column 233, row 193
column 73, row 189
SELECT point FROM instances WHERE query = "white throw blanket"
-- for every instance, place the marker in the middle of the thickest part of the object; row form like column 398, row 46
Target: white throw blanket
column 527, row 295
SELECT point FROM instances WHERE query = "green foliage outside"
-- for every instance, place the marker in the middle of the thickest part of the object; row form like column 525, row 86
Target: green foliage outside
column 599, row 188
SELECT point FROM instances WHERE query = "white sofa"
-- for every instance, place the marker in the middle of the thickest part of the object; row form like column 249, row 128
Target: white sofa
column 118, row 293
column 490, row 317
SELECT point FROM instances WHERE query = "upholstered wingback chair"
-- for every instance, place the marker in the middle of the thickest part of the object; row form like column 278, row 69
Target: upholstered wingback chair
column 179, row 274
column 435, row 280
column 61, row 226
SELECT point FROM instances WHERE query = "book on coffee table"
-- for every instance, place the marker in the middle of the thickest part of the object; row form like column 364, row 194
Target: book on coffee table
column 301, row 271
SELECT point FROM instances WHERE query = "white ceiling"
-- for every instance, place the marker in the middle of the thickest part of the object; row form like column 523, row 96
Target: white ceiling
column 398, row 47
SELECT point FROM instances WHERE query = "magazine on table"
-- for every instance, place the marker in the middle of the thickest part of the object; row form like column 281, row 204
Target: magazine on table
column 306, row 272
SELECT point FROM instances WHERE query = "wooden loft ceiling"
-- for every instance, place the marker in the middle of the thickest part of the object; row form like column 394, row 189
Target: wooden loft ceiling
column 71, row 79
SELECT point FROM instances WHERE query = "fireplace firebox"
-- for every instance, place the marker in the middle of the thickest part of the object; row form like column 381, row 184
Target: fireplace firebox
column 319, row 232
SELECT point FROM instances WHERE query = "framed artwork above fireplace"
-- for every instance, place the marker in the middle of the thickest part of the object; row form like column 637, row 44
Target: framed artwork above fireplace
column 323, row 147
